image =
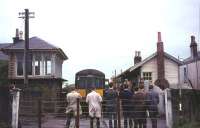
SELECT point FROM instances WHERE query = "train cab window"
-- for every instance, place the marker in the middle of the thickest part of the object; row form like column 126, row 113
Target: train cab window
column 101, row 83
column 81, row 82
column 90, row 82
column 97, row 83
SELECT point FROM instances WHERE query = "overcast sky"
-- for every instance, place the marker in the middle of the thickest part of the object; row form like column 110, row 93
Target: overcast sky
column 104, row 34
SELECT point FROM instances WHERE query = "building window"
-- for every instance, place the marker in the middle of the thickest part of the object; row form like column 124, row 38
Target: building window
column 185, row 74
column 41, row 65
column 47, row 65
column 20, row 64
column 19, row 57
column 147, row 75
column 38, row 64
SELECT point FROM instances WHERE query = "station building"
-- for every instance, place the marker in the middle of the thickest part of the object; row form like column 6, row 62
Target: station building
column 160, row 68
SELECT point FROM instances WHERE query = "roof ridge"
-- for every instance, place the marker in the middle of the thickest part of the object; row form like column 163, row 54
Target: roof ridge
column 149, row 58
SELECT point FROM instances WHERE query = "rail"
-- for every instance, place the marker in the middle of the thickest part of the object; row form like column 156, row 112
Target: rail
column 39, row 111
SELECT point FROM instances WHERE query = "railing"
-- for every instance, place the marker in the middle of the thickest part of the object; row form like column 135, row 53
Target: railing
column 39, row 112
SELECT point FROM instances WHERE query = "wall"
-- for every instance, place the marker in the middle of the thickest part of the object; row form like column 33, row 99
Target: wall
column 12, row 66
column 58, row 67
column 150, row 66
column 192, row 70
column 171, row 71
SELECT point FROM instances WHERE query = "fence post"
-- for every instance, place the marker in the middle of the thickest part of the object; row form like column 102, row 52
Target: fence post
column 118, row 112
column 39, row 113
column 168, row 108
column 78, row 113
column 15, row 107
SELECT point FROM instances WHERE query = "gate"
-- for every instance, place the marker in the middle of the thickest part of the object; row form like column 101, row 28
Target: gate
column 42, row 113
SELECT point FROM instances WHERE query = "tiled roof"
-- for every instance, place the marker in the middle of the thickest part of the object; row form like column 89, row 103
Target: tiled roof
column 35, row 44
column 191, row 59
column 2, row 55
column 3, row 45
column 148, row 59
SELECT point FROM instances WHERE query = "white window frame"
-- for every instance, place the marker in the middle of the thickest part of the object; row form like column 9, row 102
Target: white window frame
column 148, row 76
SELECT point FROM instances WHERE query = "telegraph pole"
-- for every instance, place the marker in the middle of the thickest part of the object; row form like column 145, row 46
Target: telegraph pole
column 26, row 15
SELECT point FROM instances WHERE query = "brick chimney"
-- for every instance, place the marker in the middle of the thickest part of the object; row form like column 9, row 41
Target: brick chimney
column 161, row 81
column 137, row 57
column 17, row 37
column 193, row 47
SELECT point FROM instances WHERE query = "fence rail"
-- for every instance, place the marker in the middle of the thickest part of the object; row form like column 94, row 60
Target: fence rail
column 38, row 111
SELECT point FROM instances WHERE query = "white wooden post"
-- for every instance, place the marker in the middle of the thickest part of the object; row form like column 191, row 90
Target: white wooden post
column 168, row 108
column 15, row 107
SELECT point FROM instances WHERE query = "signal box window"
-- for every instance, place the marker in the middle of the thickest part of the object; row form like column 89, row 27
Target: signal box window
column 20, row 64
column 38, row 65
column 47, row 65
column 19, row 57
column 81, row 83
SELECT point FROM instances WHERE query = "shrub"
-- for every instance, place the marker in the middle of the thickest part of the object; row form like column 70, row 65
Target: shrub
column 4, row 125
column 185, row 124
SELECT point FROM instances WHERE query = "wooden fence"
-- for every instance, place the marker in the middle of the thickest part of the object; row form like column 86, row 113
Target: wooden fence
column 185, row 106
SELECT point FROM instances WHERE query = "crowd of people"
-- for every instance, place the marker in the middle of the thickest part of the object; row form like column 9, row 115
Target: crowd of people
column 136, row 105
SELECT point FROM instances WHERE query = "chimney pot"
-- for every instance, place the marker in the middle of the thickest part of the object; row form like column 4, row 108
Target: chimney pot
column 159, row 37
column 139, row 53
column 137, row 57
column 135, row 53
column 21, row 35
column 193, row 47
column 192, row 38
column 18, row 36
column 17, row 33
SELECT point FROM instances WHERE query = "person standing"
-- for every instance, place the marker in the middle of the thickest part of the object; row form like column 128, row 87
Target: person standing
column 153, row 101
column 140, row 107
column 71, row 109
column 111, row 105
column 126, row 99
column 94, row 100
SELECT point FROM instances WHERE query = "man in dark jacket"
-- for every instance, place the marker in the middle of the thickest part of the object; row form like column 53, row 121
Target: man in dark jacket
column 111, row 105
column 153, row 101
column 127, row 106
column 140, row 108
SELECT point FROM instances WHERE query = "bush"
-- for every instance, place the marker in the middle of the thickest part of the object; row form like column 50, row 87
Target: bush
column 4, row 125
column 185, row 124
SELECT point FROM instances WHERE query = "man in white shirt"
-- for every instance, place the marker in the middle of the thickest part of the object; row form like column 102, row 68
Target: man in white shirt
column 94, row 100
column 71, row 109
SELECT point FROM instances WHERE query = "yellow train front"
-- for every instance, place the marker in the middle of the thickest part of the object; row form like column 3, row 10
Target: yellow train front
column 88, row 78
